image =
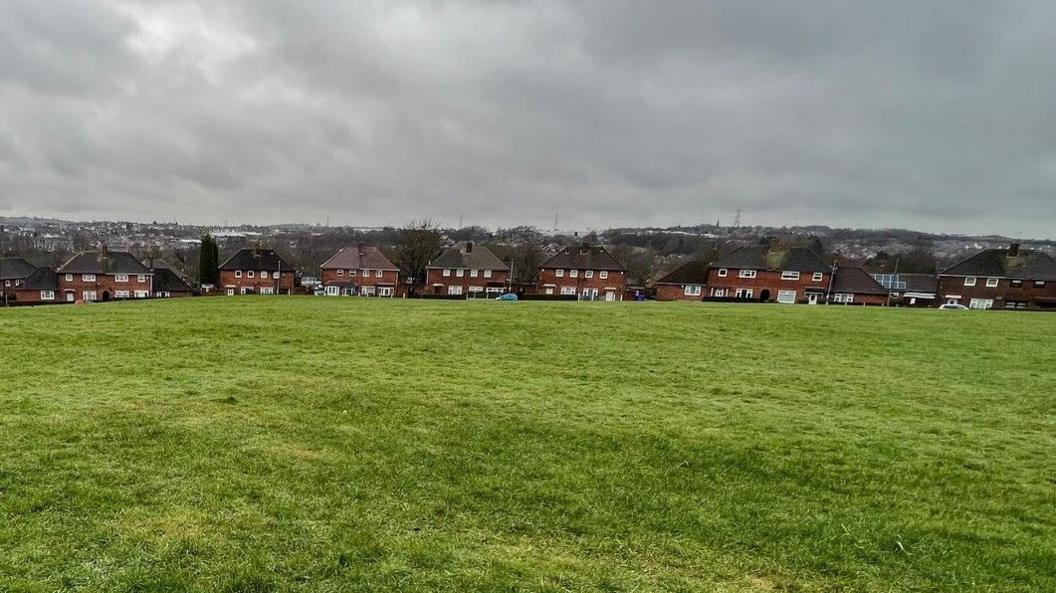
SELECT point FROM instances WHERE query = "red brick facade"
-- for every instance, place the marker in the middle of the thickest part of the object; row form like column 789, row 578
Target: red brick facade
column 459, row 281
column 384, row 285
column 235, row 282
column 768, row 286
column 602, row 285
column 1007, row 294
column 74, row 287
column 679, row 292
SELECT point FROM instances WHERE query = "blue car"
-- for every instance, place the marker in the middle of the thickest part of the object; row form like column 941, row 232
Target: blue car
column 507, row 297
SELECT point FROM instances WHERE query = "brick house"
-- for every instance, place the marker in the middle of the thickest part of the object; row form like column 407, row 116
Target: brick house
column 764, row 274
column 23, row 283
column 360, row 270
column 587, row 271
column 102, row 276
column 169, row 283
column 256, row 271
column 467, row 269
column 854, row 286
column 688, row 282
column 1012, row 278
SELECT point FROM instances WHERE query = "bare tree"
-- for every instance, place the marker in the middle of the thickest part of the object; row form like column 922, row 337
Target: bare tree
column 527, row 257
column 419, row 245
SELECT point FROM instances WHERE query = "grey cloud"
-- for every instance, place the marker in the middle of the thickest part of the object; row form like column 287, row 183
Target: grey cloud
column 896, row 113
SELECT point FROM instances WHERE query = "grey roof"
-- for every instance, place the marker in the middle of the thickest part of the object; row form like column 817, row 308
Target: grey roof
column 856, row 281
column 12, row 268
column 103, row 262
column 692, row 272
column 167, row 280
column 41, row 279
column 468, row 256
column 761, row 257
column 256, row 259
column 583, row 257
column 1027, row 264
column 359, row 257
column 920, row 282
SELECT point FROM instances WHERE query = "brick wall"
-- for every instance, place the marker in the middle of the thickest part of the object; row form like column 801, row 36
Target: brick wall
column 437, row 283
column 1043, row 297
column 614, row 283
column 765, row 281
column 677, row 292
column 105, row 286
column 229, row 280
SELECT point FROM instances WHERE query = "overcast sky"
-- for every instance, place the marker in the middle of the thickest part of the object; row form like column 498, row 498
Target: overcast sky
column 613, row 113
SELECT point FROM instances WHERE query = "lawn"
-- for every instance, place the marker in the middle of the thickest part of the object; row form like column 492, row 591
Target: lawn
column 313, row 444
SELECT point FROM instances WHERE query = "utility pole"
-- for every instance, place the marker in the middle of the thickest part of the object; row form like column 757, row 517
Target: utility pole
column 894, row 279
column 3, row 288
column 737, row 219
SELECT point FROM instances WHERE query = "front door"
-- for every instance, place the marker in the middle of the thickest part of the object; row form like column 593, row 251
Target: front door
column 812, row 299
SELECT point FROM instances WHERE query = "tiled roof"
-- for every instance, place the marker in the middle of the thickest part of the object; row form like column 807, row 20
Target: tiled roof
column 761, row 257
column 256, row 259
column 469, row 256
column 103, row 262
column 1026, row 264
column 15, row 267
column 41, row 279
column 166, row 280
column 584, row 257
column 692, row 272
column 359, row 257
column 856, row 281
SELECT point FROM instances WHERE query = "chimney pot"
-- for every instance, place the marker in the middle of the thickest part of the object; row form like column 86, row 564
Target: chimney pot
column 1013, row 250
column 469, row 246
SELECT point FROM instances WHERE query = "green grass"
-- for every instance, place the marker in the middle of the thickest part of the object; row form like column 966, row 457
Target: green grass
column 298, row 444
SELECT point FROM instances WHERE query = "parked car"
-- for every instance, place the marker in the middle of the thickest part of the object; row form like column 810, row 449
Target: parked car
column 953, row 307
column 507, row 297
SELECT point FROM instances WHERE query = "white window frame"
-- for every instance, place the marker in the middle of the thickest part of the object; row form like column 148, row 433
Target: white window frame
column 460, row 272
column 568, row 290
column 744, row 293
column 603, row 275
column 748, row 274
column 386, row 291
column 88, row 277
column 549, row 290
column 692, row 290
column 454, row 290
column 981, row 304
column 238, row 273
column 970, row 280
column 121, row 278
column 447, row 273
column 47, row 295
column 787, row 297
column 267, row 290
column 718, row 293
column 69, row 277
column 723, row 272
column 122, row 294
column 251, row 274
column 559, row 273
column 141, row 278
column 264, row 274
column 573, row 273
column 818, row 276
column 1039, row 284
column 789, row 275
column 588, row 273
column 378, row 273
column 340, row 272
column 141, row 294
column 487, row 273
column 332, row 291
column 276, row 275
column 843, row 298
column 992, row 282
column 88, row 295
column 476, row 289
column 474, row 273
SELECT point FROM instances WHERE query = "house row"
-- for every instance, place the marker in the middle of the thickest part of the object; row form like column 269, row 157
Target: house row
column 100, row 275
column 1011, row 278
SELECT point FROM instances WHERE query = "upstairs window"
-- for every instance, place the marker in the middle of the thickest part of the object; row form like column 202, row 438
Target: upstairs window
column 747, row 274
column 377, row 273
column 970, row 280
column 588, row 274
column 991, row 282
column 447, row 273
column 573, row 273
column 238, row 273
column 723, row 272
column 560, row 273
column 275, row 275
column 249, row 274
column 88, row 278
column 789, row 275
column 264, row 274
column 473, row 273
column 692, row 290
column 120, row 277
column 487, row 273
column 141, row 278
column 340, row 272
column 1039, row 284
column 1016, row 283
column 603, row 274
column 460, row 272
column 818, row 276
column 69, row 277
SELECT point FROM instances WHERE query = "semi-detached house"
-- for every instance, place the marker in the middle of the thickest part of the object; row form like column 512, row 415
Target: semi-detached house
column 467, row 270
column 103, row 275
column 1012, row 278
column 765, row 274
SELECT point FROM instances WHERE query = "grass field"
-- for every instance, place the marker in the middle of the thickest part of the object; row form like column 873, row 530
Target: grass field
column 300, row 444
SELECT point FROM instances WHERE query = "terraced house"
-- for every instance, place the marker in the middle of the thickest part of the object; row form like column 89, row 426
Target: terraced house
column 359, row 270
column 765, row 274
column 1012, row 278
column 257, row 271
column 103, row 275
column 688, row 282
column 467, row 270
column 24, row 283
column 587, row 272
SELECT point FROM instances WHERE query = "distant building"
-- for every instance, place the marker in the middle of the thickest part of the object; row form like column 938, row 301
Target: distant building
column 587, row 272
column 1012, row 278
column 466, row 270
column 168, row 282
column 104, row 275
column 360, row 270
column 257, row 271
column 688, row 282
column 21, row 282
column 760, row 273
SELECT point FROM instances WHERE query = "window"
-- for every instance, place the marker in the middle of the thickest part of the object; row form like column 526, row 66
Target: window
column 747, row 274
column 238, row 273
column 843, row 298
column 818, row 276
column 121, row 294
column 549, row 290
column 88, row 295
column 573, row 273
column 588, row 273
column 245, row 290
column 969, row 281
column 386, row 291
column 603, row 274
column 230, row 291
column 47, row 295
column 744, row 293
column 494, row 289
column 1015, row 304
column 447, row 273
column 250, row 274
column 69, row 277
column 352, row 273
column 787, row 297
column 141, row 294
column 566, row 290
column 276, row 275
column 991, row 282
column 88, row 278
column 454, row 290
column 487, row 273
column 264, row 275
column 560, row 273
column 473, row 273
column 460, row 272
column 141, row 278
column 365, row 273
column 267, row 290
column 692, row 290
column 723, row 272
column 340, row 272
column 1039, row 284
column 981, row 304
column 476, row 289
column 378, row 273
column 788, row 275
column 1016, row 283
column 719, row 293
column 333, row 290
column 120, row 277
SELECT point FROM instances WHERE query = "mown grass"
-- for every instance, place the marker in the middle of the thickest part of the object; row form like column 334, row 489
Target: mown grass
column 298, row 444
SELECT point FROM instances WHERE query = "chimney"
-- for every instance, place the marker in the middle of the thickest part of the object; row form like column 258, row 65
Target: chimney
column 469, row 246
column 1013, row 250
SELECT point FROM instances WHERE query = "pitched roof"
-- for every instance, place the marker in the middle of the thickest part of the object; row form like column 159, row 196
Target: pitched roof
column 15, row 267
column 103, row 262
column 691, row 272
column 761, row 257
column 583, row 257
column 166, row 280
column 466, row 255
column 256, row 259
column 41, row 279
column 920, row 282
column 1025, row 264
column 359, row 257
column 856, row 281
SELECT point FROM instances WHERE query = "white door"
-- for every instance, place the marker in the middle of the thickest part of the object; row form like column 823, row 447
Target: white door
column 610, row 296
column 812, row 299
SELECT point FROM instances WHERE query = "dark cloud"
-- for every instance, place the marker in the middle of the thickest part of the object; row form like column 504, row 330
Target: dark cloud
column 894, row 113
